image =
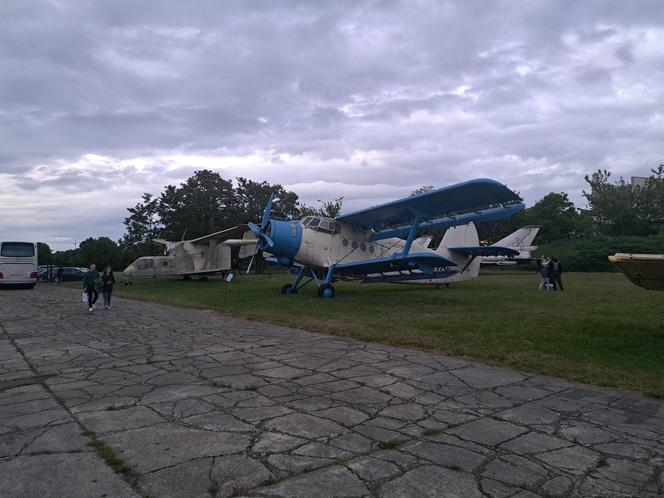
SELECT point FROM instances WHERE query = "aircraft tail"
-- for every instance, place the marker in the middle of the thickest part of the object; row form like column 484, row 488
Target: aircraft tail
column 462, row 236
column 522, row 238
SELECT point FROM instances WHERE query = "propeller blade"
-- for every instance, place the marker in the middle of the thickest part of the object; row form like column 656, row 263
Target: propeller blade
column 251, row 262
column 267, row 212
column 254, row 228
column 267, row 240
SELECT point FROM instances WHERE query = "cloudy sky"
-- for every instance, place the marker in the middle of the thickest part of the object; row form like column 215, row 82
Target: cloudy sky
column 102, row 101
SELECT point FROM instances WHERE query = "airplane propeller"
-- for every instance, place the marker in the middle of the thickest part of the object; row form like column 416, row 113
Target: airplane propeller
column 263, row 239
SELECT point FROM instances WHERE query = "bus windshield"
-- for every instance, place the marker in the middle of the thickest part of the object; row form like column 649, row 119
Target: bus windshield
column 17, row 249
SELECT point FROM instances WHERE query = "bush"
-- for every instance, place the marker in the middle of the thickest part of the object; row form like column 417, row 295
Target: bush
column 592, row 255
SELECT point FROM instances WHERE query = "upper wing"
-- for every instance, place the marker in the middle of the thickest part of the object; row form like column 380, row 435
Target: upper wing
column 473, row 194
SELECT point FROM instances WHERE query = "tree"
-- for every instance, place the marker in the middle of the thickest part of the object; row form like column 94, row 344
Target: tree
column 143, row 224
column 204, row 203
column 251, row 198
column 557, row 216
column 44, row 254
column 102, row 252
column 328, row 209
column 618, row 208
column 422, row 190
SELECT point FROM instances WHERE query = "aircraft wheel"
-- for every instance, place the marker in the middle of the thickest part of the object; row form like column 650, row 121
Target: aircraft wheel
column 326, row 290
column 288, row 289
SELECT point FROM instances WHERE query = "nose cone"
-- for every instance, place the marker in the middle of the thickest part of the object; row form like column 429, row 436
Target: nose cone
column 128, row 271
column 286, row 236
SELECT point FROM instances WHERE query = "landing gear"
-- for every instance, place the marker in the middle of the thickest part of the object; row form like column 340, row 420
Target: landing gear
column 288, row 289
column 306, row 275
column 326, row 290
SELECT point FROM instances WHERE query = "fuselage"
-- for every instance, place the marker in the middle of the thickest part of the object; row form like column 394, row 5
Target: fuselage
column 319, row 243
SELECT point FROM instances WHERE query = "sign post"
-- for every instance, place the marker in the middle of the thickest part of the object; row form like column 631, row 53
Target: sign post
column 228, row 280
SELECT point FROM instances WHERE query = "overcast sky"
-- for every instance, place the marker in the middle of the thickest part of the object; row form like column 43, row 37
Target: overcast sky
column 102, row 101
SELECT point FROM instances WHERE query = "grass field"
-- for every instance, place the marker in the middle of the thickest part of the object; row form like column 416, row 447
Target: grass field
column 602, row 330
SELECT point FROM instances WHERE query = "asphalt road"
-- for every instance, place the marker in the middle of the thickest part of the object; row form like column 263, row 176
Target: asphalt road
column 189, row 403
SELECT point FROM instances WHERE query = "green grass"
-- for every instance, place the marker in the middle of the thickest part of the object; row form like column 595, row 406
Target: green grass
column 602, row 330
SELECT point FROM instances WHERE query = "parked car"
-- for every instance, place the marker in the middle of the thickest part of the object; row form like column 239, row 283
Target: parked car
column 69, row 274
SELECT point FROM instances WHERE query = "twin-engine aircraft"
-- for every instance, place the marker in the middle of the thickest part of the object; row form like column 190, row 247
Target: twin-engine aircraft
column 378, row 244
column 196, row 257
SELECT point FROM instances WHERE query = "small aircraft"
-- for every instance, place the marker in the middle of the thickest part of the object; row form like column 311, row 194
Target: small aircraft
column 520, row 241
column 197, row 257
column 378, row 244
column 644, row 270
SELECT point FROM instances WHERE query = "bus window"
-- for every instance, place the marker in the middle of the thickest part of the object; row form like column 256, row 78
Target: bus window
column 17, row 250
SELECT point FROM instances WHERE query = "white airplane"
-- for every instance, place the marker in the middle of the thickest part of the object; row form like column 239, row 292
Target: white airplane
column 520, row 241
column 378, row 244
column 197, row 257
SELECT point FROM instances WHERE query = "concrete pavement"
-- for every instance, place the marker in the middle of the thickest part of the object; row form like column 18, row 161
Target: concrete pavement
column 151, row 400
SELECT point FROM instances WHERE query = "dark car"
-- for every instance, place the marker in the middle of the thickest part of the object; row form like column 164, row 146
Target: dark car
column 69, row 274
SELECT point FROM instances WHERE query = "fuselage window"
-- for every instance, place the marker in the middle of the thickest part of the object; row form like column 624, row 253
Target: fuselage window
column 164, row 263
column 345, row 242
column 371, row 249
column 363, row 246
column 354, row 244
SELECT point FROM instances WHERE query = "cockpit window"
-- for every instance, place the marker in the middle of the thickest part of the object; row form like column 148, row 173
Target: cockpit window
column 320, row 224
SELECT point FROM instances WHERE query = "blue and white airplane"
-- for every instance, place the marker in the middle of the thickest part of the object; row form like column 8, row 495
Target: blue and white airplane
column 378, row 244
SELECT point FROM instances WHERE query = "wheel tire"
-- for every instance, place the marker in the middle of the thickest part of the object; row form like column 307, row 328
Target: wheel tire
column 326, row 290
column 288, row 289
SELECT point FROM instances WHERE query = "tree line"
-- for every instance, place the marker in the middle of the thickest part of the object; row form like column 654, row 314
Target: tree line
column 619, row 217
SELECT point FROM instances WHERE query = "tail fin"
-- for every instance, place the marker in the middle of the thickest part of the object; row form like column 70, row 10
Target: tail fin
column 461, row 236
column 523, row 237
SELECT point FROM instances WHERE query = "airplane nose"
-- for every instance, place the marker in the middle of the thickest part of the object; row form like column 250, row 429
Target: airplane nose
column 286, row 236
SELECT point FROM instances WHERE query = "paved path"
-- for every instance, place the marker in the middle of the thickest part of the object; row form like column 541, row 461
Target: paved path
column 189, row 403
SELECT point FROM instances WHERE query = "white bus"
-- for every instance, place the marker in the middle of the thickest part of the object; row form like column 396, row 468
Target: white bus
column 18, row 263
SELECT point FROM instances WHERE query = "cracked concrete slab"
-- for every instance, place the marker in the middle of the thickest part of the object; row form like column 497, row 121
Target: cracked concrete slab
column 162, row 401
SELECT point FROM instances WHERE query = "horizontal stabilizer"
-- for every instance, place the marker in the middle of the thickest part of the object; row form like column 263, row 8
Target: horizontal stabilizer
column 484, row 251
column 426, row 262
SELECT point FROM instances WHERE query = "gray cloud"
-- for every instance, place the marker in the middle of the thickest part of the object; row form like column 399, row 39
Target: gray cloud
column 118, row 98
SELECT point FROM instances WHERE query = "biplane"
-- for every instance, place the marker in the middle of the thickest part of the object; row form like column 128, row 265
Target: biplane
column 378, row 244
column 199, row 257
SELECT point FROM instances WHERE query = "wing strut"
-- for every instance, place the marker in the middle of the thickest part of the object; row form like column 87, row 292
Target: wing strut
column 415, row 225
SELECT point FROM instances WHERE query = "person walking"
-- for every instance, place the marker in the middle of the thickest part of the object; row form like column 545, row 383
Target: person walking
column 544, row 270
column 59, row 274
column 108, row 280
column 91, row 285
column 556, row 270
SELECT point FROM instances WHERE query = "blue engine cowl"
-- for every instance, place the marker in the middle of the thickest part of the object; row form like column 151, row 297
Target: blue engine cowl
column 287, row 237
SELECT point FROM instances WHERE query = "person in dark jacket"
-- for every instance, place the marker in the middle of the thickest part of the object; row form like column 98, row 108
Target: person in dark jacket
column 91, row 285
column 555, row 272
column 107, row 280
